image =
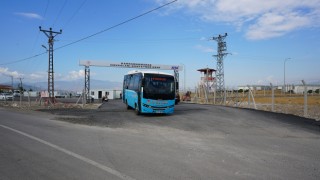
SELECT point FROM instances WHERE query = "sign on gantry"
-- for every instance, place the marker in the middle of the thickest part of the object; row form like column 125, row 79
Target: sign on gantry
column 129, row 65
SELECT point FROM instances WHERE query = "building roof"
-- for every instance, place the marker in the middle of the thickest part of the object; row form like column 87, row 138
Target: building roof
column 5, row 87
column 205, row 70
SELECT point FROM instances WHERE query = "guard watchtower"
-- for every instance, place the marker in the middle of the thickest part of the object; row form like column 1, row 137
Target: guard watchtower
column 206, row 86
column 206, row 75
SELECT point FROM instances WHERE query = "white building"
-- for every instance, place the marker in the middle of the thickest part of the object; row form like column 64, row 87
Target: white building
column 299, row 89
column 255, row 87
column 111, row 94
column 31, row 94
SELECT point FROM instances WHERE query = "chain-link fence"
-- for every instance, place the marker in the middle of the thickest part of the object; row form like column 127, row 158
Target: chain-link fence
column 302, row 100
column 29, row 101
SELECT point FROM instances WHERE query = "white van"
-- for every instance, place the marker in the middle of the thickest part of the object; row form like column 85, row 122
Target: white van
column 16, row 93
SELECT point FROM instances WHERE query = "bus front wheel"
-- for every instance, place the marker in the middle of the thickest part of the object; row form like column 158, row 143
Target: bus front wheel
column 128, row 107
column 137, row 110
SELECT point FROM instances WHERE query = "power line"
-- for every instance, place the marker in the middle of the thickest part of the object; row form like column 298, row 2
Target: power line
column 44, row 16
column 73, row 15
column 37, row 37
column 119, row 24
column 141, row 40
column 64, row 4
column 25, row 59
column 107, row 29
column 45, row 11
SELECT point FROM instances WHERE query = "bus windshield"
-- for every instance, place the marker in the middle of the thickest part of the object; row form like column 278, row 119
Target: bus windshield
column 158, row 86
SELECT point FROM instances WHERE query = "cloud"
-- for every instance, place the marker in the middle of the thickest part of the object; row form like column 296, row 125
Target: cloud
column 204, row 49
column 274, row 25
column 43, row 76
column 73, row 75
column 38, row 76
column 258, row 19
column 29, row 15
column 6, row 72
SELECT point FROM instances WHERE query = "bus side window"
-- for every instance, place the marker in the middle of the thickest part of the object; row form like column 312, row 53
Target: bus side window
column 131, row 81
column 136, row 82
column 127, row 82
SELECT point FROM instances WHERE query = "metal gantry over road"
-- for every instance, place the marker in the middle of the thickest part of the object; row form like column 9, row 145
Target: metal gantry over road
column 88, row 63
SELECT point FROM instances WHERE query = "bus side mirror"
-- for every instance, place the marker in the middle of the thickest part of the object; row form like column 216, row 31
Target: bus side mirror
column 142, row 83
column 177, row 85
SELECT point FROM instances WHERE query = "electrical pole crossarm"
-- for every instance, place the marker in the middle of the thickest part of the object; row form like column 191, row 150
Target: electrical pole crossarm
column 50, row 31
column 219, row 37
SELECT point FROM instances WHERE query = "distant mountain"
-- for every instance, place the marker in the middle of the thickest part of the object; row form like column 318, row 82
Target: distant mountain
column 76, row 85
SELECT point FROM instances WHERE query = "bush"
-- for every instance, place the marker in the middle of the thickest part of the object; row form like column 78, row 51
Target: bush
column 309, row 91
column 317, row 91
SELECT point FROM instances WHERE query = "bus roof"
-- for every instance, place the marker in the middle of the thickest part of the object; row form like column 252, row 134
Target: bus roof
column 148, row 72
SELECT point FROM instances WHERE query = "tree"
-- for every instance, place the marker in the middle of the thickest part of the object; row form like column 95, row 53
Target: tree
column 309, row 91
column 317, row 91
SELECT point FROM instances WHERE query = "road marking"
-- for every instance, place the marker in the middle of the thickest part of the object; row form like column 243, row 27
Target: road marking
column 89, row 161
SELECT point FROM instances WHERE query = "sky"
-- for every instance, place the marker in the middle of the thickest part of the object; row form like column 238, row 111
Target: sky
column 261, row 35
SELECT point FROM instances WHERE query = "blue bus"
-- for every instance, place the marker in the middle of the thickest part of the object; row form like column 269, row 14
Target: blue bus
column 149, row 92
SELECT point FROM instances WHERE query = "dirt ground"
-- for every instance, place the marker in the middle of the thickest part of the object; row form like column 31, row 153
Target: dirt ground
column 284, row 103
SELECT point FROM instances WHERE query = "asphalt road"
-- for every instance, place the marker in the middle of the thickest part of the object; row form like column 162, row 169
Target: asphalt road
column 196, row 142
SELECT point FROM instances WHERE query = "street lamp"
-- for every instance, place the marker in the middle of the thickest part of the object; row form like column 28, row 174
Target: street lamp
column 284, row 74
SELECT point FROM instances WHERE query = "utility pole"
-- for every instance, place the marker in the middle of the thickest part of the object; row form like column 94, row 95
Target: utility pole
column 284, row 75
column 50, row 34
column 12, row 83
column 222, row 48
column 87, row 97
column 20, row 84
column 21, row 90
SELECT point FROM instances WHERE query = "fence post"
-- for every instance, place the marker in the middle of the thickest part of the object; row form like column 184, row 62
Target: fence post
column 29, row 99
column 84, row 98
column 248, row 96
column 214, row 95
column 305, row 110
column 237, row 98
column 254, row 103
column 272, row 98
column 224, row 97
column 20, row 98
